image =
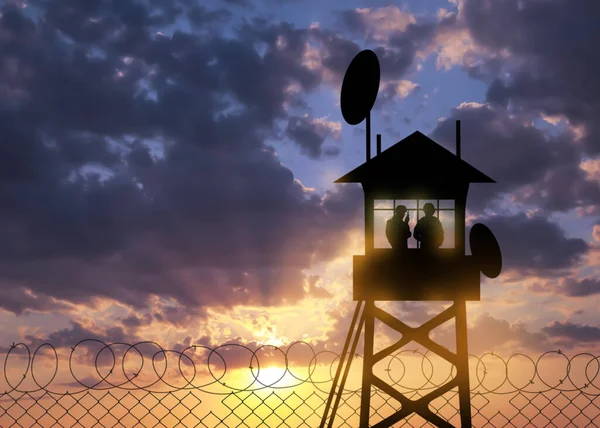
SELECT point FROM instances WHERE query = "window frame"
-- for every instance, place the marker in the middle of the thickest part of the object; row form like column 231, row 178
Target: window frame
column 418, row 209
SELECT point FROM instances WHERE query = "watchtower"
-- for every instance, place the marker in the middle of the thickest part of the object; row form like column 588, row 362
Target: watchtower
column 412, row 172
column 416, row 170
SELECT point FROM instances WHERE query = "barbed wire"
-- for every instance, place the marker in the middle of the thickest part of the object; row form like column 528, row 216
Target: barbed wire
column 510, row 382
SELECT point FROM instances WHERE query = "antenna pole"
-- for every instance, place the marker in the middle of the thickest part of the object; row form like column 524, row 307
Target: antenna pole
column 458, row 138
column 368, row 136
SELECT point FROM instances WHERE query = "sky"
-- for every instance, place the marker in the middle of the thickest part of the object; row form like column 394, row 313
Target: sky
column 167, row 166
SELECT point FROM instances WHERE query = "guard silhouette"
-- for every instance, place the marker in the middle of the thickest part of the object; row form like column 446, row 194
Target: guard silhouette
column 397, row 229
column 429, row 231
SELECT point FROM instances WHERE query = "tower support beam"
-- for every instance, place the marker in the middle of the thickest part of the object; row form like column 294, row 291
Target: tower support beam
column 367, row 377
column 419, row 334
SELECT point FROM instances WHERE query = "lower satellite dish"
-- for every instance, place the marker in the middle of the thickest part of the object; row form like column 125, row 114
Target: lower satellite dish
column 486, row 251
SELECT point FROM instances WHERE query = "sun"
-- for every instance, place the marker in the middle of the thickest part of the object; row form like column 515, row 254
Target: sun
column 273, row 341
column 272, row 375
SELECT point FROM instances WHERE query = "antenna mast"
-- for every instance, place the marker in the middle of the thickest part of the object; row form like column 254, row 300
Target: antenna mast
column 368, row 136
column 458, row 138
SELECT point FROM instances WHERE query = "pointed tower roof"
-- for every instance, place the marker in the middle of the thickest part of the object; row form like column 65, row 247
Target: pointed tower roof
column 415, row 159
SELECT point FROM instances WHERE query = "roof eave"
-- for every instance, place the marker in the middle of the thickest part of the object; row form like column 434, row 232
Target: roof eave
column 345, row 180
column 351, row 177
column 484, row 178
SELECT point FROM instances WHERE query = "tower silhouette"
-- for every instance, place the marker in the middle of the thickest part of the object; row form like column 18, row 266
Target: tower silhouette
column 415, row 169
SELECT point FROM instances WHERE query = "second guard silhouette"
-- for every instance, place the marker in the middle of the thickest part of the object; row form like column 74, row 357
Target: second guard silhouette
column 429, row 231
column 434, row 267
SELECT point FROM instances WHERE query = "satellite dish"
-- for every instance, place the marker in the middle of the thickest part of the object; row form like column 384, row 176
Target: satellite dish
column 360, row 87
column 485, row 250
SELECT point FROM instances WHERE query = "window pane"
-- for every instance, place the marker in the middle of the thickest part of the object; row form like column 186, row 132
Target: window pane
column 447, row 220
column 422, row 203
column 410, row 204
column 384, row 204
column 412, row 242
column 447, row 203
column 381, row 218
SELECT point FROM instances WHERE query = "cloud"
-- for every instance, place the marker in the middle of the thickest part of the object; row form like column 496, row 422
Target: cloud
column 405, row 87
column 581, row 287
column 534, row 245
column 377, row 24
column 487, row 334
column 549, row 57
column 310, row 135
column 134, row 164
column 574, row 333
column 315, row 291
column 445, row 36
column 20, row 300
column 568, row 286
column 78, row 332
column 592, row 169
column 536, row 59
column 596, row 233
column 453, row 44
column 398, row 37
column 394, row 89
column 533, row 166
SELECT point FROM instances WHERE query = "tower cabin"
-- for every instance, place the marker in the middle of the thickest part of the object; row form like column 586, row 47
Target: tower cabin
column 412, row 172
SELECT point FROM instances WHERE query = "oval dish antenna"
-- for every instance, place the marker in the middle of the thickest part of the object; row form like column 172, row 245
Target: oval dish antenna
column 485, row 250
column 360, row 87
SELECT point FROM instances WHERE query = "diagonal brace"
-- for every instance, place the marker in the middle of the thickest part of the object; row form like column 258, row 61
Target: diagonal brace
column 418, row 334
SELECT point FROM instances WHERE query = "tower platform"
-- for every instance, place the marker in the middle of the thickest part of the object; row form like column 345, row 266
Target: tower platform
column 416, row 275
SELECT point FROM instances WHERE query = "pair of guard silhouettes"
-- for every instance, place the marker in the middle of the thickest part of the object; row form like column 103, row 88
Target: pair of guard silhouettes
column 428, row 231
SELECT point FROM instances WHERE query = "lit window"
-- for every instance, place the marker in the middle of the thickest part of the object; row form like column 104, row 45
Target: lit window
column 384, row 211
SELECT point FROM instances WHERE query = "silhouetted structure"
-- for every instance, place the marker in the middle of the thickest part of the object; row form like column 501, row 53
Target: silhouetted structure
column 446, row 274
column 377, row 274
column 397, row 230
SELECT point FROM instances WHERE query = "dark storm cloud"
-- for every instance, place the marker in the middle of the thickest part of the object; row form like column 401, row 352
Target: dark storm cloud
column 574, row 287
column 534, row 245
column 18, row 300
column 310, row 136
column 351, row 20
column 77, row 332
column 399, row 52
column 209, row 215
column 533, row 166
column 555, row 57
column 336, row 51
column 200, row 16
column 133, row 321
column 403, row 48
column 573, row 332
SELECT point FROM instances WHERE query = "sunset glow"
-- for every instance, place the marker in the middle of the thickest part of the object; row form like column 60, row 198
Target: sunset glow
column 170, row 222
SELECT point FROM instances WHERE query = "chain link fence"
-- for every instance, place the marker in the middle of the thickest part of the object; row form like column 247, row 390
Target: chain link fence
column 553, row 390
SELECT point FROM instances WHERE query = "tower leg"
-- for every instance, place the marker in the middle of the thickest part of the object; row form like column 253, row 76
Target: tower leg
column 367, row 377
column 462, row 366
